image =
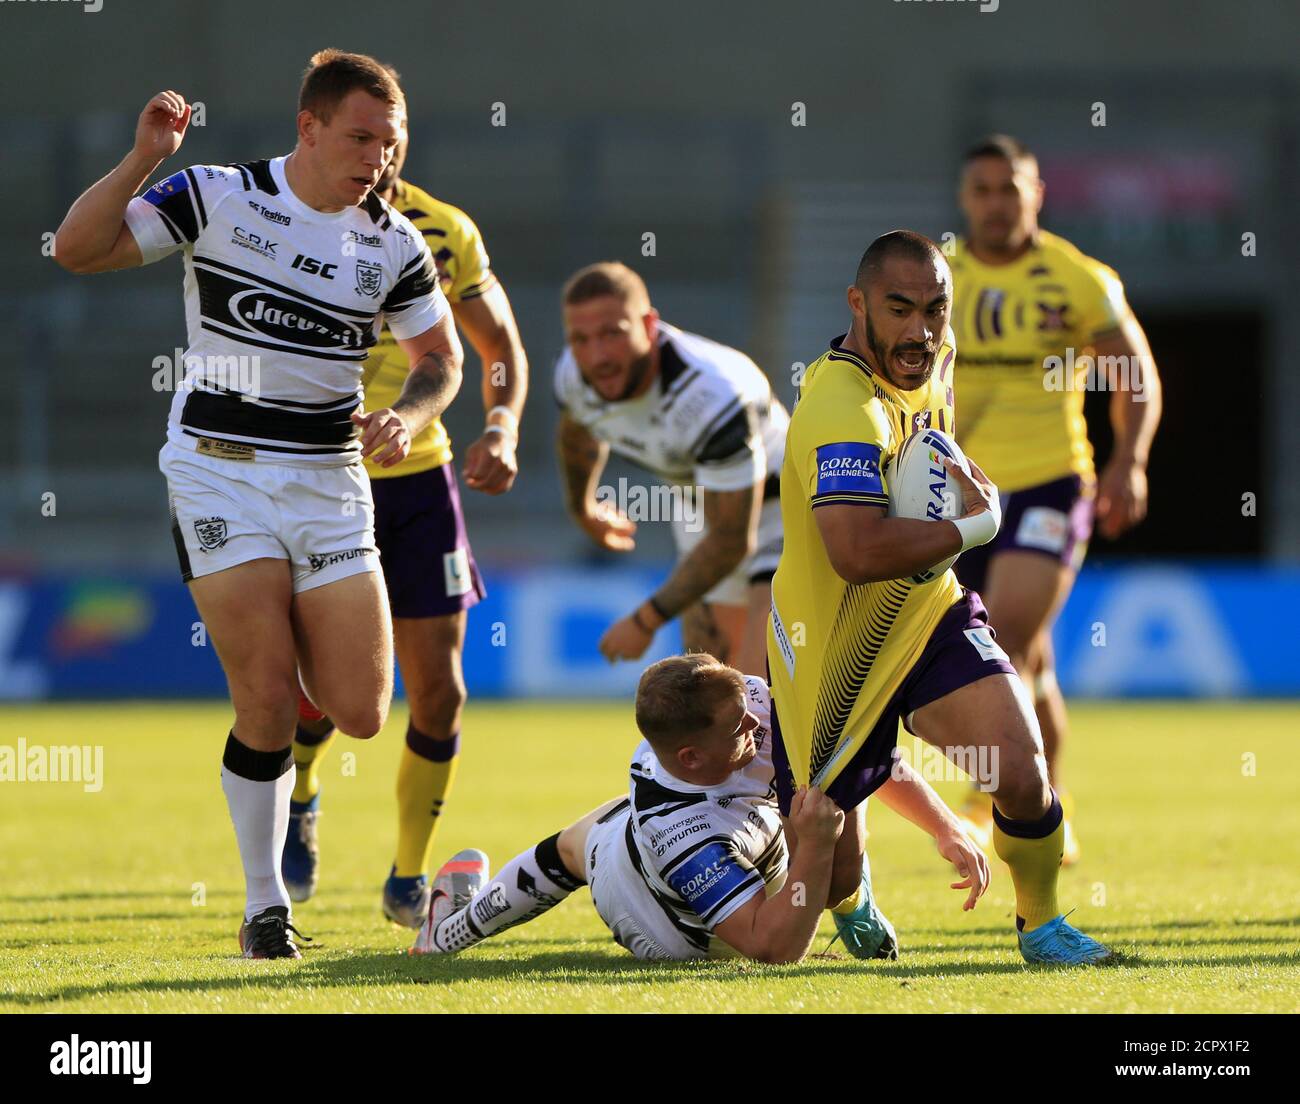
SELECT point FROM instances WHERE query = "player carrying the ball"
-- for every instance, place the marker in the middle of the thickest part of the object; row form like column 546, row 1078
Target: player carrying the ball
column 1025, row 299
column 855, row 646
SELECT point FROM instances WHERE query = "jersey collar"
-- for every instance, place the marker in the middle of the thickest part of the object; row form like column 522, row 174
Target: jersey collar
column 838, row 352
column 291, row 199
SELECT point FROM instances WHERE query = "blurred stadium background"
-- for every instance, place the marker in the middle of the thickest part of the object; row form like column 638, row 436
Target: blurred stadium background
column 675, row 120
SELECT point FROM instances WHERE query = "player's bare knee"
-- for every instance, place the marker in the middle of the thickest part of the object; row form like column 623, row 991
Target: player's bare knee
column 1024, row 793
column 265, row 723
column 571, row 844
column 361, row 720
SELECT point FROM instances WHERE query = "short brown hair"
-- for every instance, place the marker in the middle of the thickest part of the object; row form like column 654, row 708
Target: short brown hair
column 1011, row 150
column 332, row 74
column 678, row 698
column 605, row 278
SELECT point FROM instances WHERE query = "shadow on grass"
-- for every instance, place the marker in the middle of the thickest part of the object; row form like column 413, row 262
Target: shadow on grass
column 112, row 895
column 1159, row 925
column 321, row 970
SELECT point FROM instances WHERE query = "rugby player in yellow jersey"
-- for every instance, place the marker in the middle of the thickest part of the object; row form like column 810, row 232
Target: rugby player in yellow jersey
column 429, row 568
column 1032, row 315
column 855, row 646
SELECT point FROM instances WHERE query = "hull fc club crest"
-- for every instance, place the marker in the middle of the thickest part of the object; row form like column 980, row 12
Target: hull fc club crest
column 211, row 532
column 369, row 277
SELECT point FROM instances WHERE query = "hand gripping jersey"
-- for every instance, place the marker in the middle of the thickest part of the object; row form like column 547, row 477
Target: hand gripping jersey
column 1008, row 320
column 710, row 419
column 464, row 272
column 282, row 305
column 836, row 650
column 686, row 857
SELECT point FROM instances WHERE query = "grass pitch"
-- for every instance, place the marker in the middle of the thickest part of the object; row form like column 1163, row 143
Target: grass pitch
column 128, row 899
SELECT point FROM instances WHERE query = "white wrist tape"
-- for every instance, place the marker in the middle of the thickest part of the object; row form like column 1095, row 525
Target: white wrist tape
column 511, row 419
column 979, row 528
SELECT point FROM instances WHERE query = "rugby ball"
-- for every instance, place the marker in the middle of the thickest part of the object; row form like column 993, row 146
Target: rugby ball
column 920, row 486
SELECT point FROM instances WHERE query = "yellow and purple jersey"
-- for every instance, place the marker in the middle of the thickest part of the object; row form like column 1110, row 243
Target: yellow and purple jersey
column 1054, row 301
column 463, row 272
column 837, row 651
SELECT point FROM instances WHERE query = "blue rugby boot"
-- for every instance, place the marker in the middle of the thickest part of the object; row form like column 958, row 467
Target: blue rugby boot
column 406, row 900
column 1057, row 943
column 300, row 863
column 865, row 932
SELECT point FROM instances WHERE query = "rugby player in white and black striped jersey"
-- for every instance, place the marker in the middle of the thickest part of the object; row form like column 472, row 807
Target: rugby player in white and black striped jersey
column 692, row 862
column 291, row 267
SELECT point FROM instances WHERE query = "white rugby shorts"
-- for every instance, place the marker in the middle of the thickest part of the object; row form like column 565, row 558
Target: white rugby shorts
column 623, row 900
column 227, row 512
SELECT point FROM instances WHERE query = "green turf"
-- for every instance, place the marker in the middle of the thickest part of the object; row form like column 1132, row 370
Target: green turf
column 1190, row 865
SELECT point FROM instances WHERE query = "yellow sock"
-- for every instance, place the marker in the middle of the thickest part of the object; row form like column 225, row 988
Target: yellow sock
column 1035, row 865
column 424, row 779
column 849, row 903
column 307, row 757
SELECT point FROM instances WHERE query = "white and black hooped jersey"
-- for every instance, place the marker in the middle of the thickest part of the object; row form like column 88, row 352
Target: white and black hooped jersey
column 710, row 419
column 282, row 304
column 704, row 851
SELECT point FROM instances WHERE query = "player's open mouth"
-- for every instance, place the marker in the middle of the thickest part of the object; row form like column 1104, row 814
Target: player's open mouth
column 363, row 181
column 912, row 360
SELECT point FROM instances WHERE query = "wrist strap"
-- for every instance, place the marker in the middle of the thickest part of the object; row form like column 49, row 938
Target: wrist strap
column 636, row 620
column 977, row 529
column 506, row 413
column 659, row 609
column 503, row 430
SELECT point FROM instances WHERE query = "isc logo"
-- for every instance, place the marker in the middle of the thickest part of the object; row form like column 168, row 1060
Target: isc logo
column 313, row 267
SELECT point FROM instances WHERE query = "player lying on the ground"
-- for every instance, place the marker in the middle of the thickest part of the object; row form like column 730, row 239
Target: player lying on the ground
column 693, row 862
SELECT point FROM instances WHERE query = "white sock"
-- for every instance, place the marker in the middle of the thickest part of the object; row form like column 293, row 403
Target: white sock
column 528, row 885
column 260, row 812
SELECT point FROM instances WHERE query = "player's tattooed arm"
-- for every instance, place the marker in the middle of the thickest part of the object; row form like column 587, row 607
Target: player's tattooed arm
column 436, row 358
column 582, row 459
column 434, row 379
column 730, row 534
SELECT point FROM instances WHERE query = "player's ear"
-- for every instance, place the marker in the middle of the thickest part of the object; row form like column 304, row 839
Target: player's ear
column 307, row 124
column 651, row 320
column 857, row 301
column 688, row 757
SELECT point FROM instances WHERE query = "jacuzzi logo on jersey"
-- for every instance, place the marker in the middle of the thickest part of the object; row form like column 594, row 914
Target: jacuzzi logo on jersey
column 289, row 320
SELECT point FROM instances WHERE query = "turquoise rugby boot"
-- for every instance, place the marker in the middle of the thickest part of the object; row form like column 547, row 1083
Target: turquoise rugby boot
column 865, row 932
column 1057, row 943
